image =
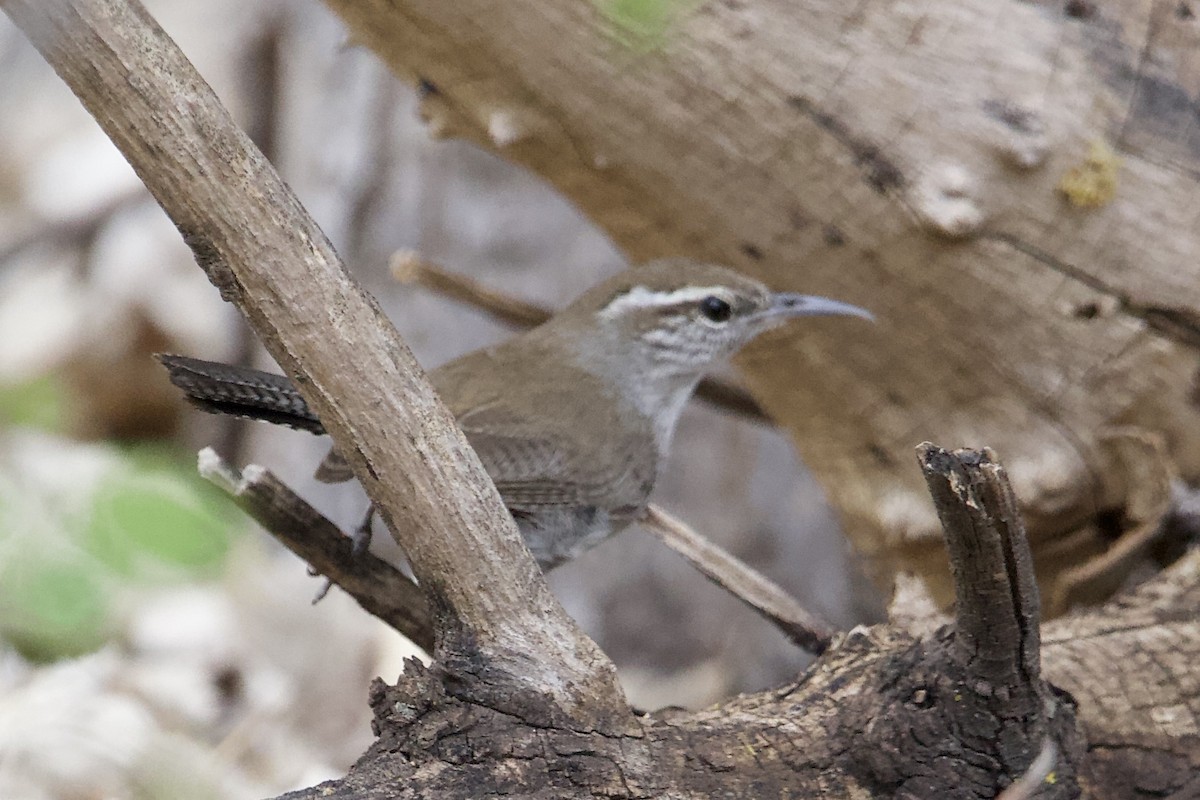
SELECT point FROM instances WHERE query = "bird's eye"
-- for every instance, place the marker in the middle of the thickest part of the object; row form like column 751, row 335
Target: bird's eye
column 715, row 309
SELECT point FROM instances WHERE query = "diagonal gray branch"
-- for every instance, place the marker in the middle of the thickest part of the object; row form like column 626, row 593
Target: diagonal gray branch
column 882, row 713
column 501, row 635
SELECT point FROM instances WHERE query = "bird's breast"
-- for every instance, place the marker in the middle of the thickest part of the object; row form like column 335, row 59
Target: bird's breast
column 557, row 535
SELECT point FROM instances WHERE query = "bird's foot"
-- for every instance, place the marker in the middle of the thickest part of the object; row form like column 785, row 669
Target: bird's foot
column 360, row 542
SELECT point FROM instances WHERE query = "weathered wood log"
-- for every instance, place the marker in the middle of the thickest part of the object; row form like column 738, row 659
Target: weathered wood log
column 1128, row 667
column 1008, row 184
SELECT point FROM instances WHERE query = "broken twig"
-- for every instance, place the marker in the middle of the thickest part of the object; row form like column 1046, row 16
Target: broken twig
column 377, row 586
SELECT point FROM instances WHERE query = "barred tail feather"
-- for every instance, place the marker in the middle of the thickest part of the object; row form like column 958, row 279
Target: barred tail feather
column 241, row 391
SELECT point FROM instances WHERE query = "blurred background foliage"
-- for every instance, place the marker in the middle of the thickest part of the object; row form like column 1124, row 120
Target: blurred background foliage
column 77, row 544
column 152, row 642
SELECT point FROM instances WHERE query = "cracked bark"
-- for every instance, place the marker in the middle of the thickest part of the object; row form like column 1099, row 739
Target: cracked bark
column 958, row 710
column 906, row 157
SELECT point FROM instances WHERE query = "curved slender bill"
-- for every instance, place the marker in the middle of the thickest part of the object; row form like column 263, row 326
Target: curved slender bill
column 786, row 304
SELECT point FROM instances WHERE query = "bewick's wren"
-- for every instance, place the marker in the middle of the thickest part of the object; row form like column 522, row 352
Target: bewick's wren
column 572, row 419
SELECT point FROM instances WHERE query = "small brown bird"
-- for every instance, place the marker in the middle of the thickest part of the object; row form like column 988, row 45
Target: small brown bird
column 572, row 419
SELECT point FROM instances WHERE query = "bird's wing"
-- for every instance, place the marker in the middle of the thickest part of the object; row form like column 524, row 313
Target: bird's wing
column 553, row 468
column 544, row 468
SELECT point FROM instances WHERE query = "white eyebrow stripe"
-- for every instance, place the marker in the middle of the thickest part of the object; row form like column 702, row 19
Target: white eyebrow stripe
column 641, row 297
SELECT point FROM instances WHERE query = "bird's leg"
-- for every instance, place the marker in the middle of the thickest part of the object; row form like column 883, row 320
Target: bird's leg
column 324, row 590
column 360, row 542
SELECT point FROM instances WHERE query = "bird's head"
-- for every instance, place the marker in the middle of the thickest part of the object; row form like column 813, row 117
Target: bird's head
column 682, row 317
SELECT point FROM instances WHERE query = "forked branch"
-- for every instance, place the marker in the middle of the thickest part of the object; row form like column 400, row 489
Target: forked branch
column 384, row 592
column 882, row 714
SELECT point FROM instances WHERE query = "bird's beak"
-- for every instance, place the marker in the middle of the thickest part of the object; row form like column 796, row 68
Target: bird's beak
column 785, row 304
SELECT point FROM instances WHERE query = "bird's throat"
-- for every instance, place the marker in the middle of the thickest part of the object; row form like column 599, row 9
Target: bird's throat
column 662, row 400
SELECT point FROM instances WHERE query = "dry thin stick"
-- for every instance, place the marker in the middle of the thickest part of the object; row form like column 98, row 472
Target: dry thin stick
column 409, row 267
column 74, row 230
column 377, row 586
column 742, row 581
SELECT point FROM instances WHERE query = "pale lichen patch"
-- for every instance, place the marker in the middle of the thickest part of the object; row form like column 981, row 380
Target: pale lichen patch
column 945, row 200
column 504, row 128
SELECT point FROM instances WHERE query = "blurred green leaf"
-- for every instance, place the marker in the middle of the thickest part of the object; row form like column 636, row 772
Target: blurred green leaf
column 159, row 515
column 145, row 518
column 36, row 403
column 53, row 609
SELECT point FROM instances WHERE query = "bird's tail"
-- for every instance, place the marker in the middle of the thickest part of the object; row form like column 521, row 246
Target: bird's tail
column 241, row 391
